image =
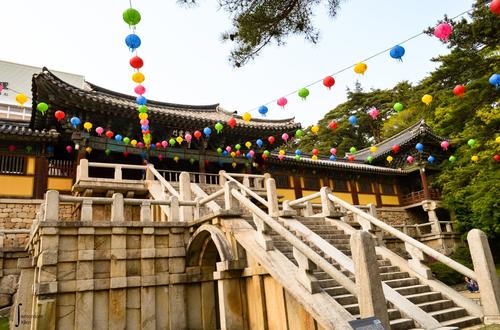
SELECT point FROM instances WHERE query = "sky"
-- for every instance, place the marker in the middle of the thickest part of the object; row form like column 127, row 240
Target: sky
column 186, row 62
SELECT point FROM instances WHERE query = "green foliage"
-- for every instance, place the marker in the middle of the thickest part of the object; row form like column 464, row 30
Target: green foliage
column 469, row 189
column 448, row 275
column 257, row 24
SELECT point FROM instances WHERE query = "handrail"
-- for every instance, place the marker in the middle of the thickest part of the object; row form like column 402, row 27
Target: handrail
column 211, row 197
column 162, row 180
column 407, row 239
column 242, row 175
column 126, row 201
column 14, row 231
column 319, row 261
column 304, row 199
column 202, row 194
column 112, row 165
column 247, row 190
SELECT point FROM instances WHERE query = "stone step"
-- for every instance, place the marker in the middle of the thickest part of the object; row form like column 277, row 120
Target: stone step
column 462, row 322
column 431, row 306
column 388, row 269
column 336, row 291
column 321, row 275
column 401, row 324
column 393, row 313
column 449, row 314
column 413, row 289
column 335, row 236
column 327, row 283
column 325, row 229
column 346, row 299
column 424, row 297
column 397, row 283
column 393, row 275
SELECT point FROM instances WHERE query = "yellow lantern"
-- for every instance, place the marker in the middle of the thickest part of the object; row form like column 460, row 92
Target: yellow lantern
column 315, row 129
column 427, row 99
column 143, row 115
column 179, row 139
column 389, row 159
column 474, row 158
column 138, row 77
column 176, row 159
column 373, row 149
column 247, row 117
column 88, row 150
column 233, row 164
column 314, row 157
column 233, row 154
column 248, row 144
column 133, row 143
column 360, row 68
column 497, row 140
column 21, row 98
column 282, row 152
column 88, row 126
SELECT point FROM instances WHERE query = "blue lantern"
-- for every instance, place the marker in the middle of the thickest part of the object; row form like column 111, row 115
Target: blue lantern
column 248, row 156
column 133, row 41
column 353, row 120
column 332, row 157
column 75, row 121
column 263, row 110
column 207, row 131
column 298, row 152
column 397, row 52
column 118, row 137
column 144, row 127
column 419, row 147
column 141, row 100
column 431, row 159
column 152, row 147
column 495, row 80
column 50, row 149
column 225, row 153
column 259, row 143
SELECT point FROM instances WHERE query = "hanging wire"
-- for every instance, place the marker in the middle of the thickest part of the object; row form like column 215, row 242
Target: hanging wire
column 353, row 65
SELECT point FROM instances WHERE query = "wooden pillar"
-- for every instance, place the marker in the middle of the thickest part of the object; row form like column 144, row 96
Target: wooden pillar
column 425, row 186
column 41, row 177
column 354, row 192
column 378, row 197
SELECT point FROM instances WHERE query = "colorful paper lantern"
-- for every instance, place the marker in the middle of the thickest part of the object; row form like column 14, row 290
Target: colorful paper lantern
column 332, row 158
column 248, row 144
column 397, row 52
column 246, row 116
column 197, row 135
column 360, row 68
column 42, row 107
column 496, row 158
column 138, row 77
column 298, row 152
column 140, row 89
column 207, row 131
column 259, row 142
column 332, row 124
column 459, row 90
column 315, row 129
column 299, row 133
column 237, row 146
column 136, row 62
column 352, row 150
column 75, row 121
column 443, row 31
column 263, row 110
column 471, row 143
column 99, row 130
column 133, row 143
column 419, row 147
column 218, row 127
column 353, row 120
column 474, row 158
column 271, row 139
column 373, row 149
column 427, row 99
column 282, row 152
column 118, row 137
column 188, row 137
column 395, row 148
column 389, row 159
column 328, row 82
column 315, row 151
column 88, row 126
column 431, row 159
column 303, row 93
column 445, row 144
column 179, row 139
column 410, row 159
column 282, row 101
column 452, row 159
column 131, row 16
column 284, row 137
column 231, row 122
column 350, row 158
column 88, row 150
column 126, row 140
column 314, row 157
column 133, row 41
column 398, row 107
column 495, row 7
column 21, row 99
column 369, row 159
column 495, row 80
column 374, row 112
column 69, row 149
column 333, row 151
column 109, row 134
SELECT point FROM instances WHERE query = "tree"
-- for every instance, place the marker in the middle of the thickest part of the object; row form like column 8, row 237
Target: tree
column 258, row 23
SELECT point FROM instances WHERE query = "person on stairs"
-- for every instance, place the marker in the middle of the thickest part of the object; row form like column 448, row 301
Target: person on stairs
column 471, row 285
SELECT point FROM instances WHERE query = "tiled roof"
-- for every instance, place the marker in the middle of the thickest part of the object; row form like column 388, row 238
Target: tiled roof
column 95, row 97
column 21, row 129
column 409, row 135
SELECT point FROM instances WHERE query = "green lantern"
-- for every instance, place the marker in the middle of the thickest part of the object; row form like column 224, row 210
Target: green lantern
column 369, row 159
column 107, row 152
column 126, row 140
column 131, row 16
column 267, row 153
column 42, row 107
column 219, row 150
column 218, row 127
column 172, row 142
column 237, row 147
column 471, row 143
column 142, row 109
column 299, row 133
column 297, row 157
column 352, row 150
column 452, row 159
column 303, row 93
column 398, row 107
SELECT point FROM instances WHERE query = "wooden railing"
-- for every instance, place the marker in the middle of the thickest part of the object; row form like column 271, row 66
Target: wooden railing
column 12, row 164
column 196, row 177
column 419, row 196
column 61, row 168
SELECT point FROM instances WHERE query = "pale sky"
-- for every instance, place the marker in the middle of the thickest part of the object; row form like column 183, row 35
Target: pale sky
column 185, row 61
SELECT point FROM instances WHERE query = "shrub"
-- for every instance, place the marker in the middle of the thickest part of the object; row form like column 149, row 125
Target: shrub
column 448, row 275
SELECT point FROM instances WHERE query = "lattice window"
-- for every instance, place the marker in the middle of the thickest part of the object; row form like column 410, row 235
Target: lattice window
column 282, row 181
column 12, row 164
column 341, row 185
column 311, row 183
column 60, row 168
column 365, row 186
column 388, row 189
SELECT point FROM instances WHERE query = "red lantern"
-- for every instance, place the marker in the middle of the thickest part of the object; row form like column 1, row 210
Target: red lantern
column 315, row 152
column 350, row 158
column 496, row 158
column 197, row 134
column 136, row 62
column 125, row 153
column 11, row 148
column 158, row 145
column 231, row 122
column 238, row 153
column 271, row 139
column 329, row 82
column 459, row 90
column 59, row 115
column 395, row 148
column 264, row 157
column 332, row 125
column 495, row 7
column 109, row 134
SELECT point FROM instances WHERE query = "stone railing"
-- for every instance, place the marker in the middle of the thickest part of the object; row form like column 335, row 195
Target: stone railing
column 419, row 196
column 196, row 177
column 82, row 171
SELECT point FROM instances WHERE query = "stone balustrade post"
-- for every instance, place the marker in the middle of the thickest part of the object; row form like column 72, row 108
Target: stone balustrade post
column 146, row 211
column 263, row 229
column 86, row 211
column 305, row 272
column 83, row 170
column 197, row 208
column 487, row 279
column 185, row 194
column 117, row 208
column 51, row 206
column 272, row 198
column 415, row 263
column 174, row 209
column 246, row 183
column 267, row 176
column 430, row 208
column 449, row 228
column 370, row 294
column 308, row 210
column 230, row 202
column 327, row 206
column 118, row 172
column 149, row 173
column 222, row 178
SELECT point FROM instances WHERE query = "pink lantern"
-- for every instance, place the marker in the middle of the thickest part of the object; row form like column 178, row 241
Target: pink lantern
column 251, row 153
column 443, row 31
column 228, row 148
column 144, row 122
column 333, row 151
column 188, row 137
column 140, row 144
column 160, row 157
column 69, row 149
column 374, row 112
column 164, row 144
column 285, row 137
column 1, row 87
column 11, row 148
column 99, row 130
column 139, row 89
column 281, row 157
column 410, row 159
column 445, row 144
column 282, row 101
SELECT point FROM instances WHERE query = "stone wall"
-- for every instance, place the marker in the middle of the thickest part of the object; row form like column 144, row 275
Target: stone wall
column 397, row 216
